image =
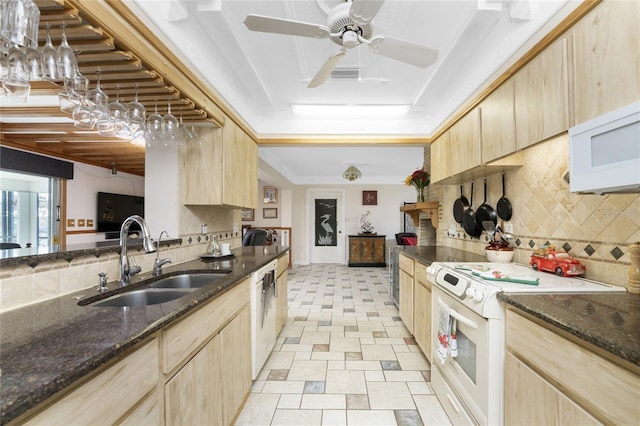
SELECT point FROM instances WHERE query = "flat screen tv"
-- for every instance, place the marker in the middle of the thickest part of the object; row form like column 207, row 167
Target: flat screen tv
column 113, row 209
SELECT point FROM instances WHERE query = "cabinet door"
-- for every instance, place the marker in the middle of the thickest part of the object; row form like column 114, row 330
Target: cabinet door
column 250, row 170
column 235, row 367
column 529, row 399
column 607, row 59
column 282, row 303
column 542, row 97
column 441, row 158
column 498, row 123
column 232, row 164
column 108, row 396
column 194, row 395
column 201, row 169
column 422, row 317
column 464, row 137
column 148, row 412
column 406, row 300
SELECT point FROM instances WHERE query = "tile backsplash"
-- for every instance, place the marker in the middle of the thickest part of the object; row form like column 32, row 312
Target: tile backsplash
column 596, row 229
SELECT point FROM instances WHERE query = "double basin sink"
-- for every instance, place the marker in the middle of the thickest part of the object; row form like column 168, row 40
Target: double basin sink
column 161, row 291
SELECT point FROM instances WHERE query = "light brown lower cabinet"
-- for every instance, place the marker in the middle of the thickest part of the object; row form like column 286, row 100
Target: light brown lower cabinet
column 194, row 395
column 210, row 388
column 422, row 309
column 406, row 300
column 552, row 380
column 531, row 400
column 120, row 394
column 282, row 301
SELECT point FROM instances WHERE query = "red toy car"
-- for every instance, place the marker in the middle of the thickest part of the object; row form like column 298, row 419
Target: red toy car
column 550, row 260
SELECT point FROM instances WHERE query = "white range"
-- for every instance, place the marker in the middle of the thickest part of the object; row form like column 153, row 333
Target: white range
column 470, row 385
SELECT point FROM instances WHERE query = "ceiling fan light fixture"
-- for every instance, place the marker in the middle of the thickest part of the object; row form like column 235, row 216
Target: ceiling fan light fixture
column 311, row 110
column 352, row 173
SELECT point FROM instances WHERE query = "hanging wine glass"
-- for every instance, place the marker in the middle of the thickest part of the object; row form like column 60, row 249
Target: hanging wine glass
column 185, row 134
column 49, row 59
column 194, row 135
column 135, row 113
column 66, row 58
column 118, row 116
column 16, row 84
column 20, row 20
column 171, row 127
column 98, row 100
column 75, row 89
column 155, row 127
column 34, row 64
column 4, row 66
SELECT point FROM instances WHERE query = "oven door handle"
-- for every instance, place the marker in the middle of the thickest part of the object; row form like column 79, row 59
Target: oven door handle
column 458, row 316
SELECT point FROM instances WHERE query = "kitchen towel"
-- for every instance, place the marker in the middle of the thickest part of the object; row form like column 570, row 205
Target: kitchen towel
column 444, row 331
column 499, row 276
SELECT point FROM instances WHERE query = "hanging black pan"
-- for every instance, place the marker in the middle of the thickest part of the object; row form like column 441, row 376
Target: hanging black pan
column 504, row 205
column 459, row 206
column 469, row 221
column 485, row 212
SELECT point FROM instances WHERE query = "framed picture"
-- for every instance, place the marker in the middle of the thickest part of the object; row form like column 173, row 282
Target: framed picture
column 369, row 198
column 270, row 195
column 248, row 215
column 270, row 213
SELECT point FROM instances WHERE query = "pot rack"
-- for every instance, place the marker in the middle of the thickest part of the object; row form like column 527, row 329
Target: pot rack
column 126, row 56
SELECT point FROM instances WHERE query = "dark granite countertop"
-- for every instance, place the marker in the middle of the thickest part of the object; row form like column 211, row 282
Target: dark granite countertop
column 430, row 254
column 35, row 255
column 610, row 321
column 47, row 346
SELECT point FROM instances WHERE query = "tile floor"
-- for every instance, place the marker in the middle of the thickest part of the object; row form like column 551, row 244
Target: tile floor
column 344, row 357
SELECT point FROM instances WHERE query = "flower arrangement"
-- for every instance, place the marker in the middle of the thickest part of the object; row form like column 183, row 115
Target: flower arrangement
column 364, row 222
column 420, row 179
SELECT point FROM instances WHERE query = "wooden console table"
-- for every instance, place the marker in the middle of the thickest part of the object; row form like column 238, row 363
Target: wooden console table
column 367, row 250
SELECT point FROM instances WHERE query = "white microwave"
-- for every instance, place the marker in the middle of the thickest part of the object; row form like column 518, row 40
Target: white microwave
column 604, row 152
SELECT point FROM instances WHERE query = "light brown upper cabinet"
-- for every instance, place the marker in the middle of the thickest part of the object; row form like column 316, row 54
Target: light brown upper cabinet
column 464, row 138
column 223, row 170
column 542, row 96
column 498, row 123
column 607, row 59
column 440, row 158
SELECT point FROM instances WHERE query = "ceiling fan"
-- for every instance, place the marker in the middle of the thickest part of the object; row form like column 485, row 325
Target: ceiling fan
column 348, row 25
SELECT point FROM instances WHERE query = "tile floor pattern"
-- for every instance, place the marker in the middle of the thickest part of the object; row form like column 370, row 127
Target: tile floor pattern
column 344, row 357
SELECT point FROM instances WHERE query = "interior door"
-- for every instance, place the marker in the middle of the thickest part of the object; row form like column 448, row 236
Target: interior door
column 326, row 222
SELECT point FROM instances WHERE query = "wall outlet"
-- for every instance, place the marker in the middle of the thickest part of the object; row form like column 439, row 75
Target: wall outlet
column 508, row 227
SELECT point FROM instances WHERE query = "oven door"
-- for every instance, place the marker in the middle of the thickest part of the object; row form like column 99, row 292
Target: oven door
column 467, row 374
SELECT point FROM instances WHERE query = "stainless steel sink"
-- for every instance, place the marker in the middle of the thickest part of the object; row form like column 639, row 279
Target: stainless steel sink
column 144, row 297
column 187, row 280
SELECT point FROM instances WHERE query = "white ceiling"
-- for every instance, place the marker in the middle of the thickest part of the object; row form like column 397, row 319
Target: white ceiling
column 261, row 75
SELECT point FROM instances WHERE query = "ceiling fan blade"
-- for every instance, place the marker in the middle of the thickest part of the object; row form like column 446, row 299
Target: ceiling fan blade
column 326, row 69
column 363, row 11
column 267, row 24
column 403, row 51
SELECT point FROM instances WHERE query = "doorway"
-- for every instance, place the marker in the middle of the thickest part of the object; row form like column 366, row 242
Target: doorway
column 29, row 206
column 326, row 222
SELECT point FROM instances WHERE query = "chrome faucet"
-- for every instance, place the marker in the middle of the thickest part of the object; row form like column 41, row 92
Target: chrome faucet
column 157, row 265
column 126, row 271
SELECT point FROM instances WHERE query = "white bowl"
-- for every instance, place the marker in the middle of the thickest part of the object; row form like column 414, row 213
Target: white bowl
column 499, row 254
